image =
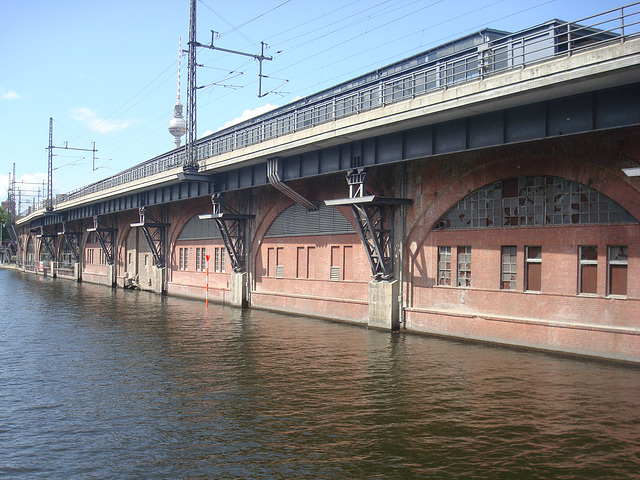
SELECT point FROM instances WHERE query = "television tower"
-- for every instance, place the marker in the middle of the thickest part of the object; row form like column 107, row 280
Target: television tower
column 178, row 125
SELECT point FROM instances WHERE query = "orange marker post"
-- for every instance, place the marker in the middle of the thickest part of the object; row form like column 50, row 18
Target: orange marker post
column 207, row 291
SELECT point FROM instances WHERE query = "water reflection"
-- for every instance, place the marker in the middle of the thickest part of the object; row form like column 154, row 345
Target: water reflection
column 119, row 384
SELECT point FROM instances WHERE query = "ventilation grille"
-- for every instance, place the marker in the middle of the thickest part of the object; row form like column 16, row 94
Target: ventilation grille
column 297, row 221
column 335, row 274
column 196, row 229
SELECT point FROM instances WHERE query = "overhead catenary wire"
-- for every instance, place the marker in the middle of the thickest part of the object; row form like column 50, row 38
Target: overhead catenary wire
column 325, row 41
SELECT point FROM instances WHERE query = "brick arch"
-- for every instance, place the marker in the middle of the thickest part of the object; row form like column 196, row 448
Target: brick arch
column 30, row 239
column 178, row 221
column 187, row 212
column 124, row 230
column 266, row 219
column 601, row 180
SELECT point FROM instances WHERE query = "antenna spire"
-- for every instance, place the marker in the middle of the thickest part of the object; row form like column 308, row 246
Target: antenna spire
column 177, row 125
column 179, row 66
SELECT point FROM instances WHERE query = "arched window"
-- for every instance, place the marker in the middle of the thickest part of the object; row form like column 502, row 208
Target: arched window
column 534, row 201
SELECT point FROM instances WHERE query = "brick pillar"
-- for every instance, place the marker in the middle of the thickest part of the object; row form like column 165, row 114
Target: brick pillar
column 383, row 304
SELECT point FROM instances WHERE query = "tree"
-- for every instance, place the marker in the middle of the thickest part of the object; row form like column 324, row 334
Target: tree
column 4, row 219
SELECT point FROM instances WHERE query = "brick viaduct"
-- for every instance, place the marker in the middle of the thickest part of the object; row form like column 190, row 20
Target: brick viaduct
column 496, row 209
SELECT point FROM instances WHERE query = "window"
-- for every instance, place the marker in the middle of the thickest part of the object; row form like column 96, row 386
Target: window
column 197, row 259
column 183, row 259
column 509, row 268
column 219, row 262
column 588, row 269
column 203, row 259
column 617, row 270
column 444, row 266
column 533, row 202
column 464, row 266
column 533, row 270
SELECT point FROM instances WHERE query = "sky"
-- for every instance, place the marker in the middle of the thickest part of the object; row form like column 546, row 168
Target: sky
column 107, row 71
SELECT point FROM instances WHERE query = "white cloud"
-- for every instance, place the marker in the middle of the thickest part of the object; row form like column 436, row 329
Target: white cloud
column 9, row 94
column 28, row 184
column 246, row 115
column 100, row 125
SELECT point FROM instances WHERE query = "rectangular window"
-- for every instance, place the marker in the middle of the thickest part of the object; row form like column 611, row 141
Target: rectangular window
column 444, row 266
column 617, row 270
column 181, row 259
column 588, row 269
column 464, row 266
column 311, row 262
column 203, row 259
column 279, row 262
column 533, row 270
column 301, row 262
column 222, row 260
column 347, row 271
column 271, row 262
column 186, row 259
column 509, row 268
column 197, row 259
column 217, row 261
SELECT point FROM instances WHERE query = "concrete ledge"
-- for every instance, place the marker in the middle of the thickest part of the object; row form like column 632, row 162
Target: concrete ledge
column 347, row 310
column 197, row 292
column 613, row 343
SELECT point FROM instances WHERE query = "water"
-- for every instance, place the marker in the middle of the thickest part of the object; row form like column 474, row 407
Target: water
column 101, row 383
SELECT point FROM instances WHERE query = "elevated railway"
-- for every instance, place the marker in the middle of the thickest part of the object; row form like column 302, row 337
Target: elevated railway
column 485, row 198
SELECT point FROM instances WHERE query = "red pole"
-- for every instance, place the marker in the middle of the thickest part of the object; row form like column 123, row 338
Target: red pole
column 207, row 291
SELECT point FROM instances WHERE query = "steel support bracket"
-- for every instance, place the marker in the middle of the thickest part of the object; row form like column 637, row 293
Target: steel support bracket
column 106, row 238
column 374, row 217
column 156, row 233
column 72, row 240
column 49, row 241
column 233, row 228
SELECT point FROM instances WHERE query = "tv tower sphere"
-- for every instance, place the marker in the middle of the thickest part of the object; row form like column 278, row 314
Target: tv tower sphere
column 177, row 125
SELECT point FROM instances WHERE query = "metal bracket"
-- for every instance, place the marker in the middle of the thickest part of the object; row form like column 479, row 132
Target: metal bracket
column 49, row 241
column 72, row 240
column 106, row 238
column 374, row 218
column 233, row 228
column 155, row 232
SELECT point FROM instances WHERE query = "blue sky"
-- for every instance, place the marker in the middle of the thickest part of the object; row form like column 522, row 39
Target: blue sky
column 106, row 71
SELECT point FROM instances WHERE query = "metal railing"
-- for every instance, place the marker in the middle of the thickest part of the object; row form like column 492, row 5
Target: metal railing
column 417, row 75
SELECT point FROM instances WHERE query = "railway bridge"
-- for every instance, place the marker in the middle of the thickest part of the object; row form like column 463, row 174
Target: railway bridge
column 483, row 189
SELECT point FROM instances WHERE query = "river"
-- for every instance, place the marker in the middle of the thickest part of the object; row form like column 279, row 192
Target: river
column 98, row 383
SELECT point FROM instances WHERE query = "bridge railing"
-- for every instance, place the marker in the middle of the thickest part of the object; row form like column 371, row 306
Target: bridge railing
column 416, row 76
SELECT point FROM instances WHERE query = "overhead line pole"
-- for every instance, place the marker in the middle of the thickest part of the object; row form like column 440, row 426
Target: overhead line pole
column 191, row 157
column 49, row 201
